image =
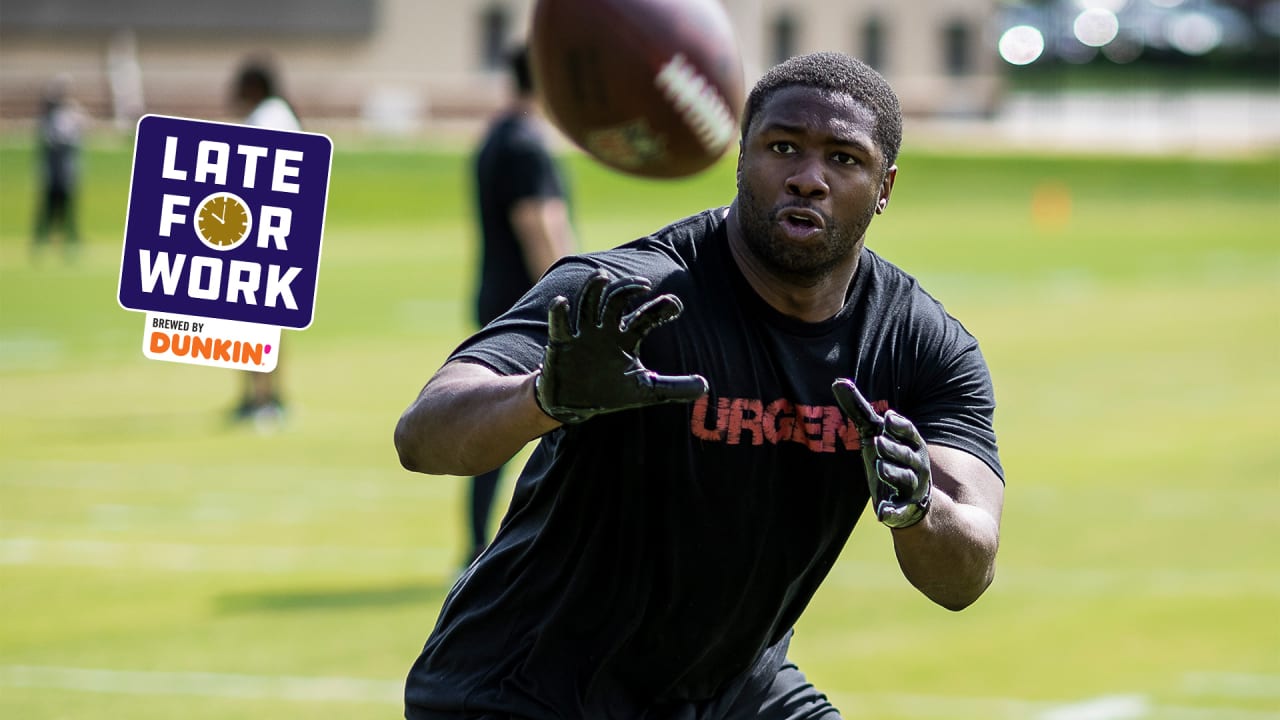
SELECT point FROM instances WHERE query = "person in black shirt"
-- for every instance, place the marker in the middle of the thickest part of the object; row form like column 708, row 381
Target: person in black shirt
column 61, row 124
column 524, row 226
column 678, row 514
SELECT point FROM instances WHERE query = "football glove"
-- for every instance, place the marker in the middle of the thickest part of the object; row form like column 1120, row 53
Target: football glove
column 895, row 458
column 590, row 365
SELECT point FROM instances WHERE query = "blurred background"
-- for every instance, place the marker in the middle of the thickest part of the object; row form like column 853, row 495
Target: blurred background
column 1092, row 186
column 1183, row 74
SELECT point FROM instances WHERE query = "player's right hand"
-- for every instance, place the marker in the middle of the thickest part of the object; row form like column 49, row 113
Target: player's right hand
column 590, row 365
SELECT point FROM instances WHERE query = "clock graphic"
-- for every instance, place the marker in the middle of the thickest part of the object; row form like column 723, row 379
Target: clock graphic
column 223, row 221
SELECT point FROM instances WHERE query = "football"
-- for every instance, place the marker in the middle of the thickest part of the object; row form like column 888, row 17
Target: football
column 652, row 88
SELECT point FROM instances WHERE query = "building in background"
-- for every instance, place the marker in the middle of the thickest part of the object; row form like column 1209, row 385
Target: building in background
column 401, row 66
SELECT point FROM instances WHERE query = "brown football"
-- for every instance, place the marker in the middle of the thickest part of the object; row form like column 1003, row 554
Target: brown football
column 649, row 87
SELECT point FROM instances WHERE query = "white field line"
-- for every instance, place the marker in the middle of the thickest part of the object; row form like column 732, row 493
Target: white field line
column 390, row 692
column 1139, row 707
column 360, row 482
column 202, row 684
column 1178, row 712
column 858, row 705
column 1232, row 685
column 1131, row 706
column 1108, row 707
column 213, row 558
column 190, row 557
column 1086, row 582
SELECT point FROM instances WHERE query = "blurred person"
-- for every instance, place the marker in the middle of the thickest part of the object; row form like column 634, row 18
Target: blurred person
column 256, row 97
column 124, row 79
column 524, row 221
column 59, row 130
column 678, row 514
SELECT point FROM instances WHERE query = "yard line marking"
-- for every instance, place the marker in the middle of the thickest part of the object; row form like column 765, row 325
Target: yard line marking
column 1085, row 582
column 1235, row 685
column 1177, row 712
column 363, row 483
column 188, row 557
column 205, row 684
column 932, row 706
column 389, row 692
column 30, row 351
column 1111, row 707
column 213, row 558
column 1107, row 707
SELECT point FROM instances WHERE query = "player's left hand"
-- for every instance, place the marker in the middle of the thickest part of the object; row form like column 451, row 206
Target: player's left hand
column 894, row 455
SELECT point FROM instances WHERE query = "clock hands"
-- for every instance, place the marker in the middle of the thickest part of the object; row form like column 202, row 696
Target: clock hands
column 230, row 214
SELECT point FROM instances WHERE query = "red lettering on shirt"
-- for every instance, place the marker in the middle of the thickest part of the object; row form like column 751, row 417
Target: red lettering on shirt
column 699, row 421
column 779, row 418
column 740, row 421
column 745, row 416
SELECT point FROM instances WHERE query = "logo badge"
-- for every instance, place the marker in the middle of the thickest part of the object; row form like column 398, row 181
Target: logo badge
column 222, row 238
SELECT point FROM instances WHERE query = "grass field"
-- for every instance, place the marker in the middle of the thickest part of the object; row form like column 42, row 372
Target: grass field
column 157, row 563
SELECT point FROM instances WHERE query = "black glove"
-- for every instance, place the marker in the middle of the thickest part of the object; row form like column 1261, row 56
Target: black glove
column 894, row 455
column 590, row 368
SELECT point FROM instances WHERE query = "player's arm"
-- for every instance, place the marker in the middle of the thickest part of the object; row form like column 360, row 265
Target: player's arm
column 468, row 419
column 942, row 503
column 543, row 230
column 950, row 554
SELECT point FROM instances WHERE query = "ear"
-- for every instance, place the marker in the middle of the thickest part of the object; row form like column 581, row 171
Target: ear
column 886, row 188
column 739, row 171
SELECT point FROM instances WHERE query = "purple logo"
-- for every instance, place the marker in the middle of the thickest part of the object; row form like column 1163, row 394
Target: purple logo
column 225, row 221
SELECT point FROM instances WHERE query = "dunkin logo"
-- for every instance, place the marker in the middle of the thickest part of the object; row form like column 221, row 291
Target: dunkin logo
column 217, row 343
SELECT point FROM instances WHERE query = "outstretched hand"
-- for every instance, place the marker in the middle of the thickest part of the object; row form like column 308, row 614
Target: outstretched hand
column 894, row 455
column 590, row 366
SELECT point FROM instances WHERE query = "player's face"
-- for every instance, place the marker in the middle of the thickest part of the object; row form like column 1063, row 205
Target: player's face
column 810, row 178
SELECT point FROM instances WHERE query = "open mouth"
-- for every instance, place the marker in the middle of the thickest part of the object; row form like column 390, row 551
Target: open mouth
column 802, row 219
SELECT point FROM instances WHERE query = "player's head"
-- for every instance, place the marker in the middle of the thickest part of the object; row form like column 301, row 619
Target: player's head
column 255, row 82
column 521, row 77
column 835, row 72
column 56, row 91
column 815, row 164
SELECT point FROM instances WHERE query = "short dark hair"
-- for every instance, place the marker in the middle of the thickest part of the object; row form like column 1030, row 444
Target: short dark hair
column 256, row 79
column 836, row 72
column 519, row 61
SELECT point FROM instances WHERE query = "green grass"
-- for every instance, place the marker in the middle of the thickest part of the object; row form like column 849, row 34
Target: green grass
column 1129, row 309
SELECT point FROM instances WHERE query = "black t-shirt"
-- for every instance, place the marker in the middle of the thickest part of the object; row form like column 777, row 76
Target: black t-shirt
column 650, row 557
column 512, row 164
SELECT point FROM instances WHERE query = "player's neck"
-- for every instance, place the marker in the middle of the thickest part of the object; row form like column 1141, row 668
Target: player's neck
column 810, row 299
